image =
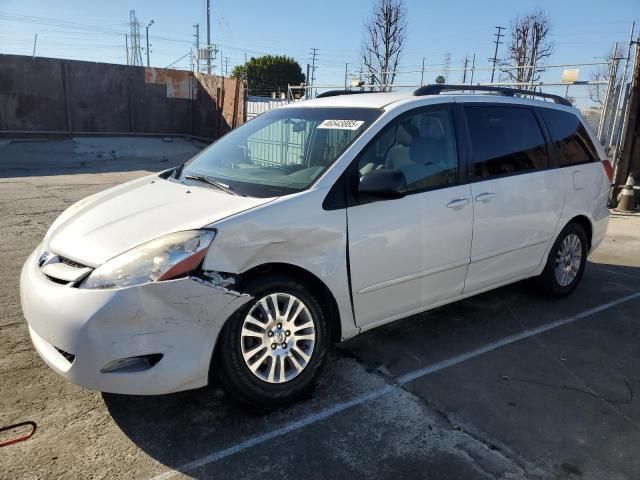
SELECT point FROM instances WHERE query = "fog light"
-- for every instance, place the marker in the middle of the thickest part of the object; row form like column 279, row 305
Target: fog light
column 132, row 364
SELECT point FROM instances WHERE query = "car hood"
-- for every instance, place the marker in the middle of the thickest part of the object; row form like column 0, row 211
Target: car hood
column 116, row 220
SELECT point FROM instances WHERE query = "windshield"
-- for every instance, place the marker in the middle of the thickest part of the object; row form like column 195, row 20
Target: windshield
column 279, row 152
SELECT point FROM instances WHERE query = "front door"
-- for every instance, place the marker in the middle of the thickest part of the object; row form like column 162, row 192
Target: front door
column 407, row 254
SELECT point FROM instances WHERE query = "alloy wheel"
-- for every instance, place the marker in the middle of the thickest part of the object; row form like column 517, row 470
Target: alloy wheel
column 568, row 260
column 278, row 337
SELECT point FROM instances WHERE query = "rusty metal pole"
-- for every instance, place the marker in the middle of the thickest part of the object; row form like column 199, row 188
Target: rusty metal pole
column 621, row 98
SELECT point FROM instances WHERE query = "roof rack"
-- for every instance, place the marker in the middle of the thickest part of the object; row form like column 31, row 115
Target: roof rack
column 437, row 88
column 335, row 93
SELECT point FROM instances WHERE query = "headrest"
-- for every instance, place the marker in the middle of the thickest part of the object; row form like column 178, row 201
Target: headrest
column 404, row 134
column 433, row 129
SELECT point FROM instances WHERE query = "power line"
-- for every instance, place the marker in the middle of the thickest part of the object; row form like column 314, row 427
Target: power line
column 176, row 61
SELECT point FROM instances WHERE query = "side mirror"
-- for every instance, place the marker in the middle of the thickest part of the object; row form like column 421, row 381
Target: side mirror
column 384, row 183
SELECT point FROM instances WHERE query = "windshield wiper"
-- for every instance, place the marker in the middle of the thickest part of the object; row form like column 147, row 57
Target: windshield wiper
column 219, row 185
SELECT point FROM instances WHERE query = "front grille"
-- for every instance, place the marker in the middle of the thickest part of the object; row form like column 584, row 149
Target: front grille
column 71, row 263
column 59, row 281
column 70, row 357
column 62, row 270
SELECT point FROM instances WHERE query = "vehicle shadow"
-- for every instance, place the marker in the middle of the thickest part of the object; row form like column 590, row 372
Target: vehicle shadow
column 179, row 428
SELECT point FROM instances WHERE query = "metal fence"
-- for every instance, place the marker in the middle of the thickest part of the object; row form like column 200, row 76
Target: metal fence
column 257, row 105
column 601, row 98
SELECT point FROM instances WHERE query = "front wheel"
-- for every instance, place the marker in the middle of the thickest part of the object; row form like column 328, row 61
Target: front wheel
column 272, row 350
column 566, row 263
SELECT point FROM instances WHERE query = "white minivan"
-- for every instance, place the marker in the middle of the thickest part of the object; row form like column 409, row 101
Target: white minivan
column 308, row 225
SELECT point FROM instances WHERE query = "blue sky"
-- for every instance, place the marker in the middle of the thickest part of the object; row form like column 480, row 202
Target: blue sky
column 583, row 30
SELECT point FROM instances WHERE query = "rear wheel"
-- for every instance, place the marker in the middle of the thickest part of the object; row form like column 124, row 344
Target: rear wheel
column 272, row 350
column 566, row 263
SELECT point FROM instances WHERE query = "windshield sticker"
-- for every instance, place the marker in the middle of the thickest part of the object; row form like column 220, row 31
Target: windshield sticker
column 341, row 124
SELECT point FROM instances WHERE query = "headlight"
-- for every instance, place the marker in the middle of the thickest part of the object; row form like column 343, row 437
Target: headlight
column 171, row 256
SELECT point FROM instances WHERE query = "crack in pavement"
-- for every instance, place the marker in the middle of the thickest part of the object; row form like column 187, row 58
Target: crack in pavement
column 587, row 389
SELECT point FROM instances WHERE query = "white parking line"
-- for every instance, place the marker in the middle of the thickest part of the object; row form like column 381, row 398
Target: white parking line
column 402, row 380
column 298, row 424
column 635, row 277
column 436, row 367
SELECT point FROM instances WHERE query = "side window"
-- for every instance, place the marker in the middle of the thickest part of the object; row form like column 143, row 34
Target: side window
column 421, row 145
column 505, row 140
column 572, row 142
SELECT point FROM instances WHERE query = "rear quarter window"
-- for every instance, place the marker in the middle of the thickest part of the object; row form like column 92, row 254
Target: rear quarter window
column 570, row 138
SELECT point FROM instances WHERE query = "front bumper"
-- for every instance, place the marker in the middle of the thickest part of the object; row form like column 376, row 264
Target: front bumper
column 179, row 319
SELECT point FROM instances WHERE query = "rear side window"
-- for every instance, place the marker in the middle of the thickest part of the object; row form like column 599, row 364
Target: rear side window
column 505, row 140
column 572, row 142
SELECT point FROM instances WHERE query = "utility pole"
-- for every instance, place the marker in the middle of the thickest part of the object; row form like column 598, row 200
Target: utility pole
column 313, row 65
column 422, row 73
column 473, row 68
column 308, row 78
column 497, row 41
column 346, row 72
column 126, row 47
column 35, row 41
column 246, row 74
column 226, row 66
column 148, row 61
column 447, row 66
column 209, row 37
column 464, row 72
column 197, row 45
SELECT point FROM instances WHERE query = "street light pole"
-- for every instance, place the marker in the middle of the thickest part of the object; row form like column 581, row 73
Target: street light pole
column 148, row 60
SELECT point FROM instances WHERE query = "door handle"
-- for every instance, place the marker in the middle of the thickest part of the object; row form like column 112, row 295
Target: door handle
column 458, row 203
column 485, row 197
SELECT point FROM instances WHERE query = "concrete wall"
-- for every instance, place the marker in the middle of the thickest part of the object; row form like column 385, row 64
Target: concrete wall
column 46, row 94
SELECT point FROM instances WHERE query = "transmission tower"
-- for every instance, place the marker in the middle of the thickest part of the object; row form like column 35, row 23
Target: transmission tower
column 135, row 52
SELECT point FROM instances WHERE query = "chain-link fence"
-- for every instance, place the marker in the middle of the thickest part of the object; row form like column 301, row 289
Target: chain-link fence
column 598, row 100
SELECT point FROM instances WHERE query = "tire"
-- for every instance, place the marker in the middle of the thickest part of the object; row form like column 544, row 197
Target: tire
column 556, row 280
column 277, row 380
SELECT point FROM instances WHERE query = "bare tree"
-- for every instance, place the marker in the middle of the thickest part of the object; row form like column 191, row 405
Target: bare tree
column 602, row 74
column 529, row 46
column 383, row 41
